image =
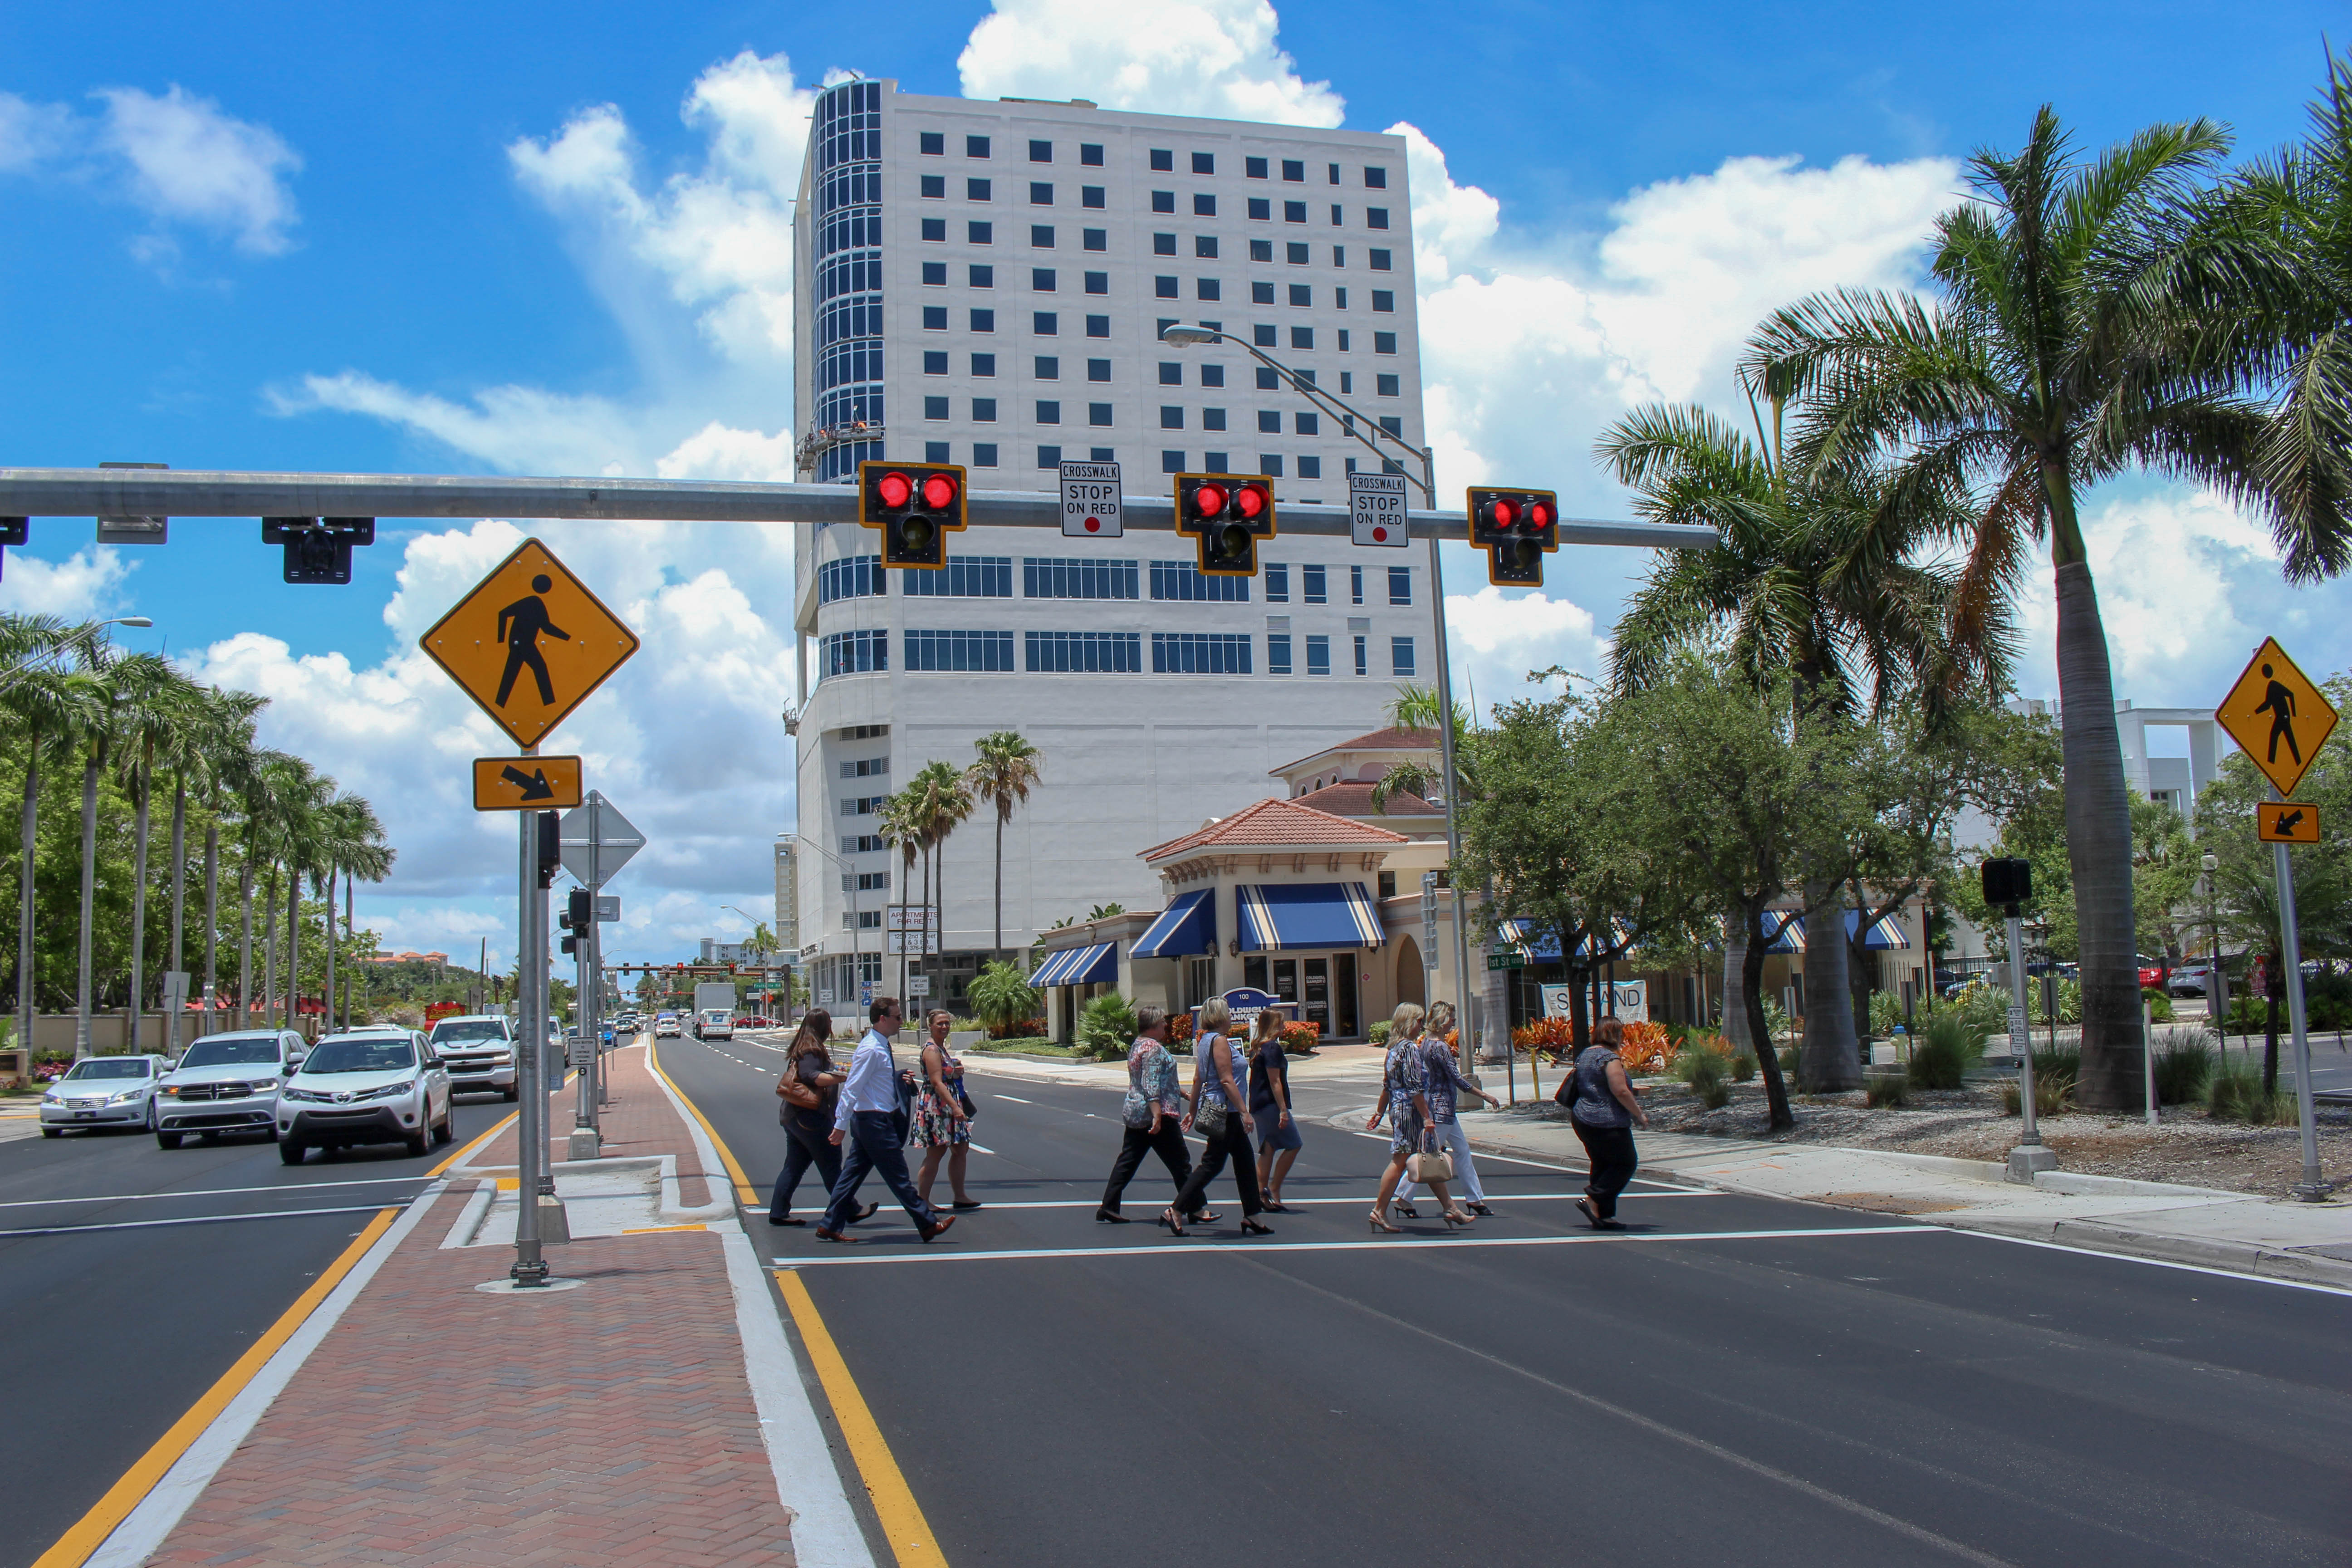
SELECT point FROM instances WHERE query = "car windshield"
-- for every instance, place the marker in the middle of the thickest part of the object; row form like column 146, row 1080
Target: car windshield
column 463, row 1029
column 99, row 1067
column 386, row 1055
column 231, row 1050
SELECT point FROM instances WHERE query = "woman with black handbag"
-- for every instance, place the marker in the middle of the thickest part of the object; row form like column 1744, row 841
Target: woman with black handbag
column 1605, row 1112
column 943, row 1113
column 806, row 1093
column 1220, row 1112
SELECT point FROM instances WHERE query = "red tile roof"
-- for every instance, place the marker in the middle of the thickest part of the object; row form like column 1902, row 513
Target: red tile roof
column 1356, row 800
column 1389, row 740
column 1271, row 824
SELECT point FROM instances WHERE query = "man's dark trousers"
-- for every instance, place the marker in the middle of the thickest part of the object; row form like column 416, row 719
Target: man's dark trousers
column 873, row 1145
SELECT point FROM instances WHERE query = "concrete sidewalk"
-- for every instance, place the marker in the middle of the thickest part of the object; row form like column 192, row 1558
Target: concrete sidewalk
column 649, row 1415
column 2311, row 1243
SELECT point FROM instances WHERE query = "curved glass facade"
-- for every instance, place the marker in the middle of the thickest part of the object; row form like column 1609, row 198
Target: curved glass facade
column 848, row 285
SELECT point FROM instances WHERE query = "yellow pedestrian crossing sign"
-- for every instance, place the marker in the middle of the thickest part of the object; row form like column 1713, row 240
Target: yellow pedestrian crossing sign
column 2278, row 716
column 529, row 643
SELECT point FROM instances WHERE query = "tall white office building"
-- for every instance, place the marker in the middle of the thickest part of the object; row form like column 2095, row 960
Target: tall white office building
column 985, row 284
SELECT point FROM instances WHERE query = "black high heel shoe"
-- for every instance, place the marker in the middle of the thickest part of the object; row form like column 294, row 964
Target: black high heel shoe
column 1252, row 1227
column 1104, row 1216
column 1168, row 1219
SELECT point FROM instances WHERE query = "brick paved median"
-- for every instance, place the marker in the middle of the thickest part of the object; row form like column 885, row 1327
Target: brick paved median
column 607, row 1426
column 640, row 1121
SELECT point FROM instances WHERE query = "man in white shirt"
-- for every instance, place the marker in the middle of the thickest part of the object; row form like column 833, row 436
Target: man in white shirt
column 866, row 1121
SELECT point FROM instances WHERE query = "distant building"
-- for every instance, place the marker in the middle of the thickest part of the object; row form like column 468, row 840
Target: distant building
column 408, row 958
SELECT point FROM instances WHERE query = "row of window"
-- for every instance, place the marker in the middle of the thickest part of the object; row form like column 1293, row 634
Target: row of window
column 1048, row 411
column 1295, row 253
column 1092, row 577
column 1048, row 367
column 982, row 231
column 989, row 455
column 934, row 188
column 1162, row 160
column 1048, row 324
column 1048, row 281
column 1113, row 653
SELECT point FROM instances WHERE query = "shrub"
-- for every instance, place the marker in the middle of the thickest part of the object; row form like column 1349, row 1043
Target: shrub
column 1743, row 1068
column 1708, row 1075
column 1180, row 1029
column 1647, row 1050
column 1552, row 1037
column 2234, row 1093
column 1887, row 1089
column 1378, row 1033
column 1984, row 1008
column 1106, row 1028
column 1018, row 1029
column 1001, row 997
column 2054, row 1084
column 1886, row 1012
column 1947, row 1046
column 2159, row 1005
column 1775, row 1022
column 1298, row 1038
column 2184, row 1065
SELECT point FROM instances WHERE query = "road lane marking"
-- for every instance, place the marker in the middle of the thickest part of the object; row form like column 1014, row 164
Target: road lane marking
column 473, row 1143
column 895, row 1508
column 1013, row 1098
column 87, row 1534
column 977, row 1149
column 190, row 1219
column 208, row 1192
column 1454, row 1243
column 743, row 1190
column 2080, row 1250
column 1354, row 1198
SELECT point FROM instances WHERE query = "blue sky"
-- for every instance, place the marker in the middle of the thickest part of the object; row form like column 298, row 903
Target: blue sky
column 371, row 237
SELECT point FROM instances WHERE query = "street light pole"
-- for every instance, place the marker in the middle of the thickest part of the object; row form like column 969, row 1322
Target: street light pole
column 1355, row 423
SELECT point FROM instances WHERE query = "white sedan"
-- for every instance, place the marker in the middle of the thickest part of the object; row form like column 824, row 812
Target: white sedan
column 102, row 1091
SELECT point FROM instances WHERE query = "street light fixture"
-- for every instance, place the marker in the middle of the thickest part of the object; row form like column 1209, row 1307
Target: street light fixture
column 1355, row 422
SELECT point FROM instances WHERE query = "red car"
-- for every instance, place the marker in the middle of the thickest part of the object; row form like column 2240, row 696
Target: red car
column 2153, row 972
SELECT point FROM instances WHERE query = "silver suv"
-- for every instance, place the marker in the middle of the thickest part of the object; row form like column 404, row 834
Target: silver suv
column 226, row 1083
column 479, row 1050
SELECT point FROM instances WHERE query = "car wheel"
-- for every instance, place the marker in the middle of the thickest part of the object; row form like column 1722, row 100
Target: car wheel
column 292, row 1150
column 167, row 1140
column 53, row 1131
column 511, row 1094
column 445, row 1131
column 420, row 1140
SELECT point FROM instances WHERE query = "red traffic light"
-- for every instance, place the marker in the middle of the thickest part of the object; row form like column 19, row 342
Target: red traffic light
column 1209, row 500
column 1250, row 500
column 1500, row 513
column 895, row 489
column 1539, row 516
column 938, row 491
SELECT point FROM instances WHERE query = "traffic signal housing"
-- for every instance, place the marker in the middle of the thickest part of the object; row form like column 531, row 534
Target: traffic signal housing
column 319, row 549
column 1516, row 528
column 915, row 506
column 1225, row 515
column 14, row 530
column 2008, row 883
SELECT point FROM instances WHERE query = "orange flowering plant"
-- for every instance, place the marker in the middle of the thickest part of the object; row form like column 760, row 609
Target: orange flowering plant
column 1648, row 1048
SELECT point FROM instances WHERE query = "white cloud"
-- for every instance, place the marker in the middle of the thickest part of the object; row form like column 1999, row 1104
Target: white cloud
column 522, row 429
column 1498, row 639
column 190, row 163
column 85, row 584
column 1213, row 58
column 32, row 133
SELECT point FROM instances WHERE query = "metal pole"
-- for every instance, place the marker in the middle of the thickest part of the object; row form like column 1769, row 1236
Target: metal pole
column 529, row 1270
column 583, row 1112
column 2148, row 1055
column 2312, row 1189
column 2031, row 1154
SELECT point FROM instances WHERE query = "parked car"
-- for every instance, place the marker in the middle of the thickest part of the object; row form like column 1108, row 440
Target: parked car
column 2194, row 981
column 374, row 1087
column 477, row 1049
column 666, row 1027
column 103, row 1091
column 2152, row 972
column 226, row 1083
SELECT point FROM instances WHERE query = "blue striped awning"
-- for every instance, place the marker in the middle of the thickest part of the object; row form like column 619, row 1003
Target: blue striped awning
column 1886, row 932
column 1278, row 917
column 1078, row 966
column 1186, row 927
column 1546, row 948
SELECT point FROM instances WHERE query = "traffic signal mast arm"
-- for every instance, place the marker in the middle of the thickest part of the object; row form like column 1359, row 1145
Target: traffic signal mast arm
column 86, row 493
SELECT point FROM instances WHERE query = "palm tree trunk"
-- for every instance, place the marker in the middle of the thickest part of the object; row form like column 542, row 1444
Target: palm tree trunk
column 928, row 933
column 1830, row 1061
column 179, row 898
column 350, row 933
column 32, row 819
column 211, row 915
column 269, row 954
column 1752, row 991
column 326, row 996
column 2098, row 848
column 244, row 939
column 293, row 947
column 89, row 897
column 1735, row 984
column 997, row 950
column 138, row 903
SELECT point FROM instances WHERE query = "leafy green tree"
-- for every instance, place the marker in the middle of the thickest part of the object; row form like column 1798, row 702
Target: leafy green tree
column 1000, row 777
column 48, row 705
column 2074, row 339
column 1000, row 997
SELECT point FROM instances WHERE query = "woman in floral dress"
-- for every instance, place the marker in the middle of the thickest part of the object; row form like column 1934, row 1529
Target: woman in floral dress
column 942, row 1114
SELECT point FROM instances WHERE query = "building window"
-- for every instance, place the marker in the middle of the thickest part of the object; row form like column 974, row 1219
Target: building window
column 1306, row 425
column 851, row 577
column 935, row 274
column 1381, row 261
column 984, row 321
column 1254, row 168
column 1098, row 368
column 1049, row 457
column 1302, row 337
column 935, row 318
column 1088, row 653
column 1393, row 424
column 982, row 276
column 983, row 411
column 1091, row 196
column 1294, row 170
column 935, row 362
column 1102, row 454
column 1384, row 343
column 1098, row 283
column 963, row 577
column 983, row 454
column 1348, row 385
column 1200, row 653
column 1339, row 298
column 931, row 144
column 1182, row 582
column 975, row 146
column 1212, row 418
column 1045, row 324
column 1041, row 237
column 853, row 653
column 1269, row 422
column 1278, row 653
column 1277, row 583
column 1164, row 287
column 1267, row 381
column 1399, row 585
column 1204, row 162
column 862, row 804
column 1386, row 385
column 1338, row 256
column 1171, row 462
column 1041, row 151
column 1343, row 340
column 1098, row 413
column 1383, row 300
column 1213, row 376
column 1318, row 655
column 1172, row 418
column 1205, row 244
column 1355, row 584
column 980, row 233
column 1265, row 336
column 1362, row 668
column 1376, row 179
column 936, row 452
column 1049, row 413
column 864, row 844
column 1164, row 159
column 1310, row 585
column 1163, row 201
column 1302, row 295
column 1261, row 209
column 975, row 190
column 1077, row 577
column 1163, row 245
column 935, row 187
column 935, row 228
column 1261, row 250
column 1041, row 194
column 1376, row 217
column 1203, row 205
column 1041, row 279
column 1294, row 212
column 1270, row 465
column 871, row 882
column 1049, row 368
column 935, row 407
column 983, row 365
column 1260, row 293
column 1400, row 655
column 1216, row 463
column 1310, row 467
column 1090, row 153
column 960, row 651
column 1171, row 373
column 1205, row 288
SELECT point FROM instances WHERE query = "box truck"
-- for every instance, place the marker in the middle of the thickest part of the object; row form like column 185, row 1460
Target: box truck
column 714, row 1009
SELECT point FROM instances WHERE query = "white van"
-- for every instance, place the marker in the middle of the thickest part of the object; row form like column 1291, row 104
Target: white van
column 715, row 1024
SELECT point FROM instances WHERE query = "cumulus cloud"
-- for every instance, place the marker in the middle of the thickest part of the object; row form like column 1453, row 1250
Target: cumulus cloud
column 32, row 133
column 1213, row 58
column 1498, row 638
column 190, row 163
column 85, row 584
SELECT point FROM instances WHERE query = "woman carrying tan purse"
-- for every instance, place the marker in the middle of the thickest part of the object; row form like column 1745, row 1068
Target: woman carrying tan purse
column 805, row 1096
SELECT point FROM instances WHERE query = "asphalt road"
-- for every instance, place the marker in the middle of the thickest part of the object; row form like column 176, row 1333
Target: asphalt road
column 131, row 1277
column 1733, row 1379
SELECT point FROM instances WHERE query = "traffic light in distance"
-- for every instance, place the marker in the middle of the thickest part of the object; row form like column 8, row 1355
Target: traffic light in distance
column 571, row 944
column 551, row 847
column 317, row 549
column 579, row 909
column 1516, row 529
column 1226, row 515
column 2008, row 883
column 915, row 505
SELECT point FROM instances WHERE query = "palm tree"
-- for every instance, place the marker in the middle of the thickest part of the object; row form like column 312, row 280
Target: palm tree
column 155, row 703
column 899, row 822
column 226, row 760
column 1002, row 775
column 2076, row 337
column 943, row 806
column 96, row 738
column 260, row 775
column 52, row 704
column 353, row 840
column 1818, row 576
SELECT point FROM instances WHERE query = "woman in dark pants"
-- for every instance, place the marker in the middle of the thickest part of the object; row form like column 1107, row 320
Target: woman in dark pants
column 1604, row 1112
column 806, row 1092
column 1152, row 1114
column 1217, row 1092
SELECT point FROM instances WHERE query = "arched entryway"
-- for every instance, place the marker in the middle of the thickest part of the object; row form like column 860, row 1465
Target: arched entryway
column 1409, row 973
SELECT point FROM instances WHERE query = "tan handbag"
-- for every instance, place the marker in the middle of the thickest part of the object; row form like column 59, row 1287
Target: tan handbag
column 1426, row 1168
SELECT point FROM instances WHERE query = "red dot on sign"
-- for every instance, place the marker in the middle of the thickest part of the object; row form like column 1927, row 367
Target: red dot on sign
column 1380, row 536
column 1094, row 524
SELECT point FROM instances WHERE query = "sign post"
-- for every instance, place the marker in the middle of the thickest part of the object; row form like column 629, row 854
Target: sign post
column 1090, row 501
column 1376, row 510
column 2275, row 704
column 596, row 841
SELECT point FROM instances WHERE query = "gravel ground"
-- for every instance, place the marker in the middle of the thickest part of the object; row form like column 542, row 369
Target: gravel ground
column 1968, row 1125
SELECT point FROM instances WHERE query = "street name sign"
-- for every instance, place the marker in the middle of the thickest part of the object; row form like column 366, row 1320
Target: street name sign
column 2286, row 822
column 596, row 841
column 526, row 784
column 529, row 643
column 2275, row 707
column 1376, row 504
column 1429, row 919
column 1090, row 501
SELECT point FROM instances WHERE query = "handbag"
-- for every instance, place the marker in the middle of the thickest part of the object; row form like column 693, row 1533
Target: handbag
column 1209, row 1118
column 1437, row 1166
column 796, row 1091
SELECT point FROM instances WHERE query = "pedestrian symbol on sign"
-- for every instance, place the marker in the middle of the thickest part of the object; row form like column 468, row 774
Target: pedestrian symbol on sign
column 520, row 625
column 2278, row 716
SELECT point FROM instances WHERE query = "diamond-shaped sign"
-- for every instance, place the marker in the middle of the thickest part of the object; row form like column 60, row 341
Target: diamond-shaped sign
column 529, row 643
column 2277, row 716
column 595, row 840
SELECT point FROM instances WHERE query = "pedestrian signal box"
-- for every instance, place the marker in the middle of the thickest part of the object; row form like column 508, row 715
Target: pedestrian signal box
column 915, row 506
column 1225, row 515
column 317, row 549
column 1516, row 528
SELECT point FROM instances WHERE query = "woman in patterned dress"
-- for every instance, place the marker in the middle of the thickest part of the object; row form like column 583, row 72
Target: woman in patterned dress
column 942, row 1113
column 1406, row 1105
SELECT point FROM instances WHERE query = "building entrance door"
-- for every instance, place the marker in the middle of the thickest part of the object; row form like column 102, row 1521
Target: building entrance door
column 1316, row 1003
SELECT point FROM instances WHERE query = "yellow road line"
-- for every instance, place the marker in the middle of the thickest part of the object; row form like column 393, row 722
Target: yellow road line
column 662, row 1229
column 743, row 1192
column 474, row 1144
column 75, row 1546
column 901, row 1517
